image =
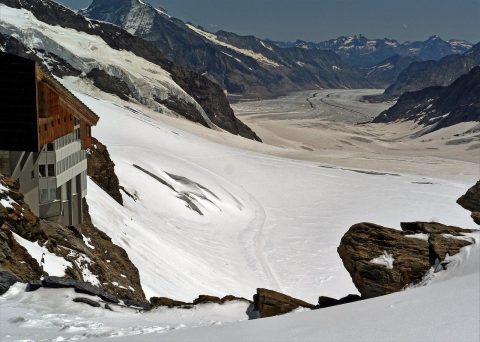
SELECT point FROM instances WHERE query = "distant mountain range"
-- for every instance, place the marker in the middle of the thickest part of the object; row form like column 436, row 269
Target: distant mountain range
column 419, row 75
column 360, row 51
column 438, row 107
column 242, row 65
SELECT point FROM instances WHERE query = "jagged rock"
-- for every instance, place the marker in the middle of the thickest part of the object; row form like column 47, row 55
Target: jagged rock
column 432, row 228
column 169, row 303
column 203, row 299
column 325, row 302
column 87, row 301
column 80, row 287
column 101, row 169
column 33, row 285
column 271, row 303
column 108, row 83
column 141, row 304
column 401, row 259
column 6, row 280
column 108, row 307
column 471, row 201
column 231, row 298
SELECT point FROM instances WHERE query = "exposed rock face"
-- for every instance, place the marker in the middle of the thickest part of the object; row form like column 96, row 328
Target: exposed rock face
column 326, row 302
column 383, row 260
column 439, row 107
column 6, row 280
column 88, row 250
column 108, row 83
column 471, row 201
column 271, row 303
column 167, row 302
column 101, row 169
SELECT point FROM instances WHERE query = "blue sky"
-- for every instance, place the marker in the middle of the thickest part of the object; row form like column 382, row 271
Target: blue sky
column 317, row 20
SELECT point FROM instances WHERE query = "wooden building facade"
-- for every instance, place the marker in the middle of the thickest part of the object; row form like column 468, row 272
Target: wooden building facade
column 44, row 132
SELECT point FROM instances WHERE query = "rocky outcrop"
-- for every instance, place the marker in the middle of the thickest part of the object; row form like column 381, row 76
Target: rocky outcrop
column 86, row 249
column 87, row 301
column 109, row 84
column 101, row 169
column 471, row 202
column 326, row 302
column 6, row 280
column 270, row 303
column 383, row 260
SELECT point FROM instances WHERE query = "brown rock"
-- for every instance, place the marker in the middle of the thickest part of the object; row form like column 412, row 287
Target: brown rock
column 412, row 257
column 442, row 246
column 432, row 228
column 101, row 170
column 167, row 302
column 271, row 303
column 204, row 299
column 471, row 202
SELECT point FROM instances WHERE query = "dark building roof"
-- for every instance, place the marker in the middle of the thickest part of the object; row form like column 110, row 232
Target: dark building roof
column 18, row 102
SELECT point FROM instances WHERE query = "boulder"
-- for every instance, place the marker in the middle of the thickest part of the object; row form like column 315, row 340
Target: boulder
column 167, row 302
column 270, row 303
column 7, row 279
column 325, row 302
column 80, row 287
column 87, row 301
column 204, row 299
column 139, row 304
column 33, row 285
column 231, row 298
column 471, row 201
column 383, row 260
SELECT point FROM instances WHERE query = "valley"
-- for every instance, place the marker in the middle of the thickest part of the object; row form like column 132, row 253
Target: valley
column 332, row 127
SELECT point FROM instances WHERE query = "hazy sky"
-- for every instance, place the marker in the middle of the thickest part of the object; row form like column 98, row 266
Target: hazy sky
column 317, row 20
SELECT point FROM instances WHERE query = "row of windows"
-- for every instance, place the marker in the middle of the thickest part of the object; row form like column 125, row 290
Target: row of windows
column 52, row 170
column 50, row 195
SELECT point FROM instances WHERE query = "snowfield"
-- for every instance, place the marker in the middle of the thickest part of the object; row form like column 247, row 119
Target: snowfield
column 206, row 218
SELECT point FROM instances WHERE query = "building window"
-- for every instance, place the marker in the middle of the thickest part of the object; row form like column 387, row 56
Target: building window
column 32, row 174
column 50, row 147
column 43, row 196
column 51, row 170
column 42, row 171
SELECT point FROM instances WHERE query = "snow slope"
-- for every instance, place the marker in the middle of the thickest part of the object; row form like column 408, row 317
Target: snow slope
column 210, row 219
column 86, row 52
column 447, row 309
column 249, row 53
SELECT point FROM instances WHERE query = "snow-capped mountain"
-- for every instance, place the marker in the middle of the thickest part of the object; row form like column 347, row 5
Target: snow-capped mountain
column 242, row 65
column 361, row 51
column 114, row 61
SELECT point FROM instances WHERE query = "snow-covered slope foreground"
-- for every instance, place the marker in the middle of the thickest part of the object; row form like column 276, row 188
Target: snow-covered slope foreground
column 86, row 52
column 447, row 309
column 205, row 218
